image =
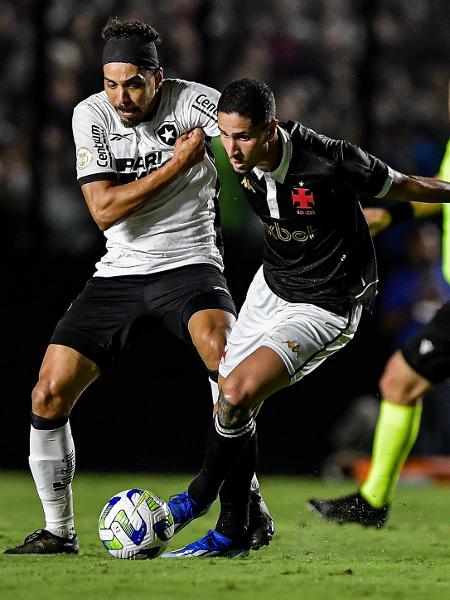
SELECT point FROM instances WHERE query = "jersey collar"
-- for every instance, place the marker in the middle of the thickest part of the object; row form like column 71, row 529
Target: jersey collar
column 154, row 110
column 279, row 173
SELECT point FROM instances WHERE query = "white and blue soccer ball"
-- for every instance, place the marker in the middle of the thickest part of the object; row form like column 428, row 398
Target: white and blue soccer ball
column 135, row 524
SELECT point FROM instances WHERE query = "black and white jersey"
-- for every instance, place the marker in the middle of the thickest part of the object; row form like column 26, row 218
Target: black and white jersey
column 177, row 227
column 318, row 248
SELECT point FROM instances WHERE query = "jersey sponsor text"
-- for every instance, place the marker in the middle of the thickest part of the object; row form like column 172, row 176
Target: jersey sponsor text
column 284, row 235
column 100, row 144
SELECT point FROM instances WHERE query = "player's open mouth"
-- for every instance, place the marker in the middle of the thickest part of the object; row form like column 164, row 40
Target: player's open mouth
column 237, row 163
column 127, row 113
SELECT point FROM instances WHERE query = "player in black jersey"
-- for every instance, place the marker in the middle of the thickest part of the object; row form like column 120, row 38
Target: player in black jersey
column 305, row 302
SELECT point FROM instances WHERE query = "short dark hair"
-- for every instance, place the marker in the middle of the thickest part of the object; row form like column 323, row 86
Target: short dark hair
column 115, row 28
column 249, row 98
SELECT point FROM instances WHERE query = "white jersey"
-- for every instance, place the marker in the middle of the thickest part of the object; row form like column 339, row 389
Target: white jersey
column 176, row 227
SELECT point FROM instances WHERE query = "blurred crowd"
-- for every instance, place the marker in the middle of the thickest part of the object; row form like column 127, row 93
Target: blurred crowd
column 372, row 71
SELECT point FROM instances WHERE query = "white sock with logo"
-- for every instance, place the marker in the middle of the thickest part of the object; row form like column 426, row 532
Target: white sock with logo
column 52, row 464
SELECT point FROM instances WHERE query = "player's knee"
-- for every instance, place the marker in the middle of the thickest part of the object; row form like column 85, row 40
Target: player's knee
column 395, row 387
column 234, row 415
column 48, row 401
column 235, row 404
column 211, row 347
column 232, row 391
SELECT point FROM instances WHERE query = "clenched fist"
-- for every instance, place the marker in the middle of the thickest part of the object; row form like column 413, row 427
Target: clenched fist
column 189, row 149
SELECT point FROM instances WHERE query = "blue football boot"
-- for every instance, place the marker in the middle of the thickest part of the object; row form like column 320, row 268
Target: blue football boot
column 184, row 510
column 214, row 544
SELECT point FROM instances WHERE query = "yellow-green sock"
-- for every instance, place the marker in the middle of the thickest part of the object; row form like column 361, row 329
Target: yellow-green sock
column 395, row 434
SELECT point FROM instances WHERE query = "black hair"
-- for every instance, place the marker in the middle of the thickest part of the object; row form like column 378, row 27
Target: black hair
column 115, row 28
column 249, row 98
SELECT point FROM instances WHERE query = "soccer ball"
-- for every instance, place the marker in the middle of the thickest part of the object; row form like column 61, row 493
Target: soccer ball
column 135, row 524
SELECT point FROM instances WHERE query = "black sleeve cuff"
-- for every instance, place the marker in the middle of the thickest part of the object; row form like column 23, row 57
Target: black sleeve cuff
column 97, row 177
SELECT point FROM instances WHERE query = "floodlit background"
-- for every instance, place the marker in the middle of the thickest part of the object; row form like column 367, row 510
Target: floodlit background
column 372, row 71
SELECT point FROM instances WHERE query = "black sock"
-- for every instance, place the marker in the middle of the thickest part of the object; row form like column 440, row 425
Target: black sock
column 233, row 520
column 224, row 446
column 234, row 494
column 236, row 487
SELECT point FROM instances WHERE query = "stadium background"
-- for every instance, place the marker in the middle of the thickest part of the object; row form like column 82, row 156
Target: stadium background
column 372, row 71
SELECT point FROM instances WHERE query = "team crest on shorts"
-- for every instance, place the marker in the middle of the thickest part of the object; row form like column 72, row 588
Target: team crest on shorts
column 426, row 346
column 292, row 345
column 167, row 133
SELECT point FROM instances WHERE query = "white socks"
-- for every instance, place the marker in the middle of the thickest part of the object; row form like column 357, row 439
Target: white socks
column 52, row 464
column 214, row 390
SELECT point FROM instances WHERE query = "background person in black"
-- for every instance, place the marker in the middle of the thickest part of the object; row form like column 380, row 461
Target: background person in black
column 417, row 366
column 305, row 301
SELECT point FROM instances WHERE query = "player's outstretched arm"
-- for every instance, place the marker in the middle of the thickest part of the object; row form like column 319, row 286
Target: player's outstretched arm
column 109, row 203
column 411, row 188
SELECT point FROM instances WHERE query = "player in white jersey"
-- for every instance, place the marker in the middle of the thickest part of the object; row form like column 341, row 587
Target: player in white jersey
column 177, row 227
column 151, row 187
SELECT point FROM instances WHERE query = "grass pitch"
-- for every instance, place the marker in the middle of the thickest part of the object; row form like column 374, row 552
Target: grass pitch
column 308, row 559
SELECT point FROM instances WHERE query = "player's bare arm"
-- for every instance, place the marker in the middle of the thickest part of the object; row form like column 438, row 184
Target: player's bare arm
column 109, row 203
column 411, row 188
column 379, row 218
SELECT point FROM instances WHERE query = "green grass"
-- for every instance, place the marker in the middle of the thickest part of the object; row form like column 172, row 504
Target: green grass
column 308, row 559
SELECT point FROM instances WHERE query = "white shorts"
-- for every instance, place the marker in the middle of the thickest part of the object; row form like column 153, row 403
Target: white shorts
column 302, row 334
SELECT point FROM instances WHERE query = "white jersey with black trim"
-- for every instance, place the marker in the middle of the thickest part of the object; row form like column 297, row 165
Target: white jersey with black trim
column 176, row 227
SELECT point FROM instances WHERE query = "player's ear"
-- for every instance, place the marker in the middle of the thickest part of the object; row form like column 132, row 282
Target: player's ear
column 158, row 74
column 271, row 130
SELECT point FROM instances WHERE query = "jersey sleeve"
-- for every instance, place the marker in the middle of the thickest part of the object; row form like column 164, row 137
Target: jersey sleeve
column 199, row 108
column 94, row 159
column 364, row 172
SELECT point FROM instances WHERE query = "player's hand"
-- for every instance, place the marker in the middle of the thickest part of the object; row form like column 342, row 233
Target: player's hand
column 189, row 149
column 378, row 219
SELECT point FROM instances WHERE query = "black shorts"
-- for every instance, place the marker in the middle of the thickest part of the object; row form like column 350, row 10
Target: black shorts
column 98, row 322
column 428, row 352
